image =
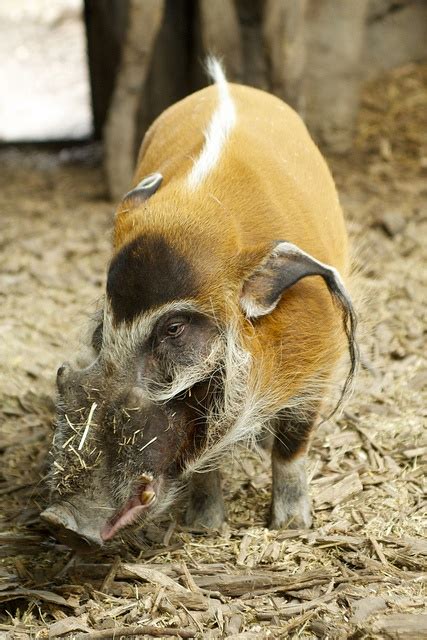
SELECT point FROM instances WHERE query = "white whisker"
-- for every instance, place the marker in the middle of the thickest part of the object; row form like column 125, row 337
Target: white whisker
column 89, row 420
column 147, row 444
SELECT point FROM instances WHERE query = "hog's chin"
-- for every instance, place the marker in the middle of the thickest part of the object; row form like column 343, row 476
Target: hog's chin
column 137, row 506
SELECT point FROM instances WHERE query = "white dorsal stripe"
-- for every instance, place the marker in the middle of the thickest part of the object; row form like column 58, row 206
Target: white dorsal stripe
column 219, row 128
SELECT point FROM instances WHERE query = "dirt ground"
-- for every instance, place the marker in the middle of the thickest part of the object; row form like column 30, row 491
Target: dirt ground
column 361, row 571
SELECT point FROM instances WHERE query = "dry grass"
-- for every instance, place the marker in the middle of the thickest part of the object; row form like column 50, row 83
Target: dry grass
column 361, row 571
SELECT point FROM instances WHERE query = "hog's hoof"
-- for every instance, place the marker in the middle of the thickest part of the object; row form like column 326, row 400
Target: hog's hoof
column 204, row 515
column 291, row 516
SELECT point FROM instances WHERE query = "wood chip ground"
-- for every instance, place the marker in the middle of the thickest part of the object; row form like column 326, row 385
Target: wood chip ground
column 361, row 571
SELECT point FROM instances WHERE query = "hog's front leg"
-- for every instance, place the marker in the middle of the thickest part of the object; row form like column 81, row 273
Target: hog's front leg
column 206, row 506
column 290, row 503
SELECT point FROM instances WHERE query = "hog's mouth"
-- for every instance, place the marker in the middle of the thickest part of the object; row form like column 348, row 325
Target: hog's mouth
column 144, row 497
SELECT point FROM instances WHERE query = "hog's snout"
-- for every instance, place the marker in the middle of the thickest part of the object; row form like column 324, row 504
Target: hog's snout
column 68, row 376
column 80, row 533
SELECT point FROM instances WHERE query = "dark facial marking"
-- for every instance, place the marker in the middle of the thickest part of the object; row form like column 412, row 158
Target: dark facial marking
column 147, row 273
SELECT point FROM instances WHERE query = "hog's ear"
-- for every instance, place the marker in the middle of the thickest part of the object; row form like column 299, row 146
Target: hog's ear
column 144, row 189
column 283, row 267
column 279, row 270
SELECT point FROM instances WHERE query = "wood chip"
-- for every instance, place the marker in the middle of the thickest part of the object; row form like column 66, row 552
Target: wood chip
column 415, row 453
column 152, row 575
column 190, row 600
column 139, row 630
column 337, row 541
column 243, row 551
column 291, row 610
column 238, row 585
column 67, row 625
column 189, row 579
column 176, row 593
column 340, row 491
column 378, row 551
column 416, row 545
column 402, row 626
column 109, row 578
column 366, row 607
column 34, row 594
column 234, row 624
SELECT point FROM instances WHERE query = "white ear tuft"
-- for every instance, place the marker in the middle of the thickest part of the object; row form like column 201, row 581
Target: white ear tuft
column 254, row 310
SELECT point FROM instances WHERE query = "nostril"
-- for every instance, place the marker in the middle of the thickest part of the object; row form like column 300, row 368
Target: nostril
column 61, row 375
column 61, row 370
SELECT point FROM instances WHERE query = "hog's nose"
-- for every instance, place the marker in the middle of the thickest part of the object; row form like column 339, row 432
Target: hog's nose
column 81, row 536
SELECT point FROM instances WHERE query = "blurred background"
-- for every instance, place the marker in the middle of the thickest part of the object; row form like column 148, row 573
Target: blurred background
column 43, row 72
column 80, row 82
column 104, row 69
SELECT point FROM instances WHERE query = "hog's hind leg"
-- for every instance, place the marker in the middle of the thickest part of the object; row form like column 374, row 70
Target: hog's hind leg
column 206, row 506
column 290, row 502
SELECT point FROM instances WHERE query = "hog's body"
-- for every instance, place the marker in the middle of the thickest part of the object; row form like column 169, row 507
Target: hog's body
column 220, row 246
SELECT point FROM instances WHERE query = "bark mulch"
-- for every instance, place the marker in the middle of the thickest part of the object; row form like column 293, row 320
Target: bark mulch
column 361, row 571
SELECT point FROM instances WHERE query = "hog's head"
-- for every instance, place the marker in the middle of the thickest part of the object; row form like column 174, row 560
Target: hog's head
column 128, row 423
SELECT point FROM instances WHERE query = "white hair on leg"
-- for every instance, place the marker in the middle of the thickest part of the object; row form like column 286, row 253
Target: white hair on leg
column 218, row 130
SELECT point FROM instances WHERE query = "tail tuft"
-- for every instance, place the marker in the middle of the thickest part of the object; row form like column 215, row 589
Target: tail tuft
column 218, row 129
column 215, row 70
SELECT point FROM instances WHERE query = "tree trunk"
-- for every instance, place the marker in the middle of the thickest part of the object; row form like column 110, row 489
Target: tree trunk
column 333, row 72
column 284, row 36
column 314, row 54
column 170, row 76
column 395, row 38
column 105, row 28
column 144, row 20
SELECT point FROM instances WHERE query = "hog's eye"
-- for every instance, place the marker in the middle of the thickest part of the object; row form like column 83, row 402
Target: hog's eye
column 175, row 329
column 168, row 329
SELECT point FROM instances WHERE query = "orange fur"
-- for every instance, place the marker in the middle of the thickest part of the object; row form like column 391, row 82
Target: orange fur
column 271, row 183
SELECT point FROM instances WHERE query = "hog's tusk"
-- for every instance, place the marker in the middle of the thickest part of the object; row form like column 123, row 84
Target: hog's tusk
column 147, row 497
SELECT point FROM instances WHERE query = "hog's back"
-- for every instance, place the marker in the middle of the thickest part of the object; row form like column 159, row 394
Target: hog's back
column 270, row 176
